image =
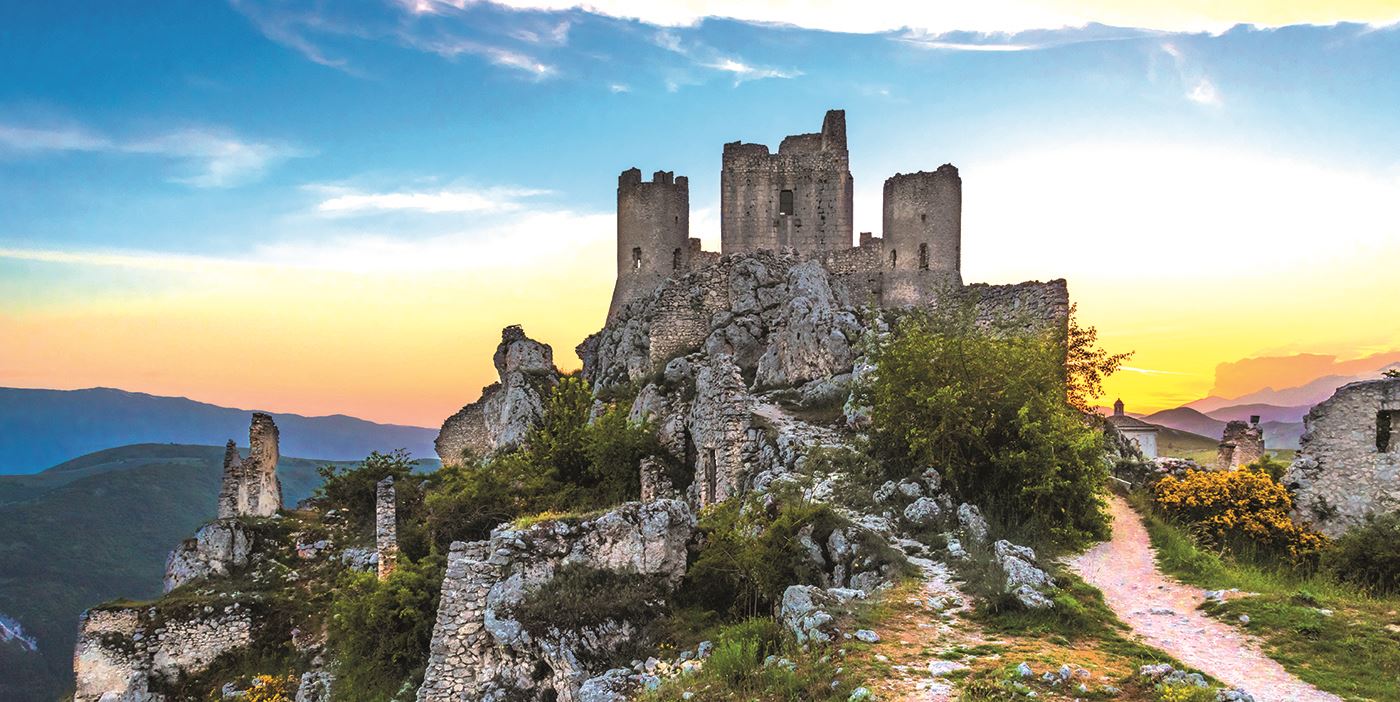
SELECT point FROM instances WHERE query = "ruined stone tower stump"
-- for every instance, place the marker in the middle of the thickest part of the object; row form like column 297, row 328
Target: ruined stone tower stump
column 1241, row 445
column 923, row 236
column 250, row 486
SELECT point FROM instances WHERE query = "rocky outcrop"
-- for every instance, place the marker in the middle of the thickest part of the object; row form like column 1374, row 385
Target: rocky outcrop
column 479, row 652
column 1026, row 582
column 1349, row 463
column 507, row 409
column 215, row 551
column 250, row 486
column 127, row 655
column 814, row 333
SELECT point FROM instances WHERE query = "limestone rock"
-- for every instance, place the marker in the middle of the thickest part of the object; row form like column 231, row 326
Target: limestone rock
column 804, row 611
column 973, row 525
column 1025, row 581
column 923, row 512
column 815, row 331
column 613, row 686
column 215, row 551
column 507, row 409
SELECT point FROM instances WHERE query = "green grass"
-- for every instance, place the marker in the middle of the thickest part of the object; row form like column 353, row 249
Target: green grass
column 1354, row 652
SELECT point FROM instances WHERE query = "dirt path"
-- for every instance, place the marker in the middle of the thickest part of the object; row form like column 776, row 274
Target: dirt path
column 1164, row 613
column 929, row 623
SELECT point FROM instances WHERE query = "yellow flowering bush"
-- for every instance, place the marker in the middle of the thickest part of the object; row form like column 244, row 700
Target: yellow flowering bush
column 271, row 688
column 1234, row 508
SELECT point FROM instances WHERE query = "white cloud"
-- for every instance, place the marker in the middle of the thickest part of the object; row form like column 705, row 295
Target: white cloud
column 742, row 71
column 217, row 158
column 984, row 16
column 705, row 56
column 1198, row 87
column 619, row 88
column 342, row 201
column 1204, row 93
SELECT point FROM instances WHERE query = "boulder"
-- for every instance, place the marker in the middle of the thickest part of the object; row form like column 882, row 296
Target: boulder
column 974, row 527
column 1025, row 581
column 923, row 513
column 805, row 612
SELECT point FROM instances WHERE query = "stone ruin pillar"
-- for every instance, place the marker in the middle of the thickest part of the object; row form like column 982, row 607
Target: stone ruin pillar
column 250, row 486
column 1241, row 444
column 386, row 539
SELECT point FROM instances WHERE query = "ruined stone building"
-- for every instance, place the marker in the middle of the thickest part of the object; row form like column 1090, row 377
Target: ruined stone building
column 1240, row 445
column 798, row 200
column 386, row 527
column 1349, row 464
column 250, row 486
column 1135, row 430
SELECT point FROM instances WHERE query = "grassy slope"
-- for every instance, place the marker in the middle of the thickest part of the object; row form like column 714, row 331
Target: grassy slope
column 96, row 528
column 1354, row 652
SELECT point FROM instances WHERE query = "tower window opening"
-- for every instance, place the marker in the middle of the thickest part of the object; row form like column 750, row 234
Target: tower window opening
column 923, row 257
column 923, row 217
column 785, row 202
column 1387, row 426
column 894, row 258
column 636, row 258
column 676, row 260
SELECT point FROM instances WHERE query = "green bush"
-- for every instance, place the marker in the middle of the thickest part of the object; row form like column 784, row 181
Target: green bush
column 352, row 489
column 1368, row 556
column 989, row 409
column 580, row 597
column 379, row 632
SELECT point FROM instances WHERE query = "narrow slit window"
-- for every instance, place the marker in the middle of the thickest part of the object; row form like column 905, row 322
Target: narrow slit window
column 894, row 258
column 923, row 257
column 1386, row 428
column 676, row 260
column 636, row 258
column 923, row 217
column 785, row 202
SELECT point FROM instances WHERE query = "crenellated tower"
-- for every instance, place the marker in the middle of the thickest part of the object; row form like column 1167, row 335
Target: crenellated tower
column 653, row 234
column 922, row 236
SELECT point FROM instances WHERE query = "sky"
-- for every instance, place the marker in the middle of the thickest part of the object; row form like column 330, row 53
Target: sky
column 334, row 207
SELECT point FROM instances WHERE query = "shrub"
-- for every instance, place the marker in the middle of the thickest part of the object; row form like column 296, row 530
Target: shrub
column 271, row 688
column 581, row 596
column 1368, row 556
column 988, row 408
column 751, row 555
column 352, row 490
column 379, row 632
column 614, row 447
column 1242, row 511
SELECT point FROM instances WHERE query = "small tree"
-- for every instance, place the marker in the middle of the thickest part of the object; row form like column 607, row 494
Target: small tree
column 353, row 489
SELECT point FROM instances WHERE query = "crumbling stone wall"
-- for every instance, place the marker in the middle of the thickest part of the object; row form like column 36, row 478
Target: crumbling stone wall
column 1031, row 306
column 386, row 528
column 653, row 234
column 1348, row 466
column 125, row 654
column 479, row 653
column 506, row 410
column 799, row 198
column 250, row 486
column 1241, row 444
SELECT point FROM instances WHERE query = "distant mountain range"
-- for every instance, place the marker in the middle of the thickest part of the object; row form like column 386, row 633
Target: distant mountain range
column 94, row 528
column 39, row 428
column 1277, row 434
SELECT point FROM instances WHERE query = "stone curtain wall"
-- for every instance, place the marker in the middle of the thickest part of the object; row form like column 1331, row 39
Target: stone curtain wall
column 1031, row 306
column 479, row 653
column 1343, row 473
column 814, row 167
column 122, row 652
column 250, row 486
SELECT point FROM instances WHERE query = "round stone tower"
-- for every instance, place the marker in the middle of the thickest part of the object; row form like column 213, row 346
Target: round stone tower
column 653, row 233
column 923, row 236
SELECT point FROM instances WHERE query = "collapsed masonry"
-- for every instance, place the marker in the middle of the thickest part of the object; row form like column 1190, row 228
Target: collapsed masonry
column 1349, row 464
column 386, row 538
column 1240, row 445
column 250, row 486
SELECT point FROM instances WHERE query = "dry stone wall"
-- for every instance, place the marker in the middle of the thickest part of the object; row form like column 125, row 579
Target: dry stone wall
column 1349, row 464
column 126, row 654
column 479, row 653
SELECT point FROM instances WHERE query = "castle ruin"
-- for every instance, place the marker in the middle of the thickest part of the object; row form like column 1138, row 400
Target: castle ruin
column 250, row 486
column 1240, row 445
column 386, row 527
column 800, row 201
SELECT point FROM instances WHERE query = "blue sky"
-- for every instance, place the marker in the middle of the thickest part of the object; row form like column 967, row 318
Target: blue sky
column 149, row 148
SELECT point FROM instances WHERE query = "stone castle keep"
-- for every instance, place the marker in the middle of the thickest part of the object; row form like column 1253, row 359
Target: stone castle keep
column 797, row 200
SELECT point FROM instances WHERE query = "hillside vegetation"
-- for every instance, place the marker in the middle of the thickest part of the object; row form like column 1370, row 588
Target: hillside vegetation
column 94, row 528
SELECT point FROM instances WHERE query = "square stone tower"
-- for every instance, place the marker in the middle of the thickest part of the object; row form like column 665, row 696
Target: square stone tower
column 799, row 198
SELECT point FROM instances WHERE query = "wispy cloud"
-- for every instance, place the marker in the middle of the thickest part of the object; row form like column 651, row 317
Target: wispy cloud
column 705, row 56
column 1151, row 371
column 1197, row 86
column 345, row 201
column 217, row 158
